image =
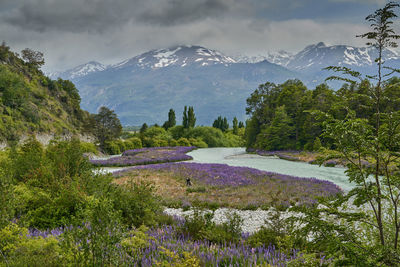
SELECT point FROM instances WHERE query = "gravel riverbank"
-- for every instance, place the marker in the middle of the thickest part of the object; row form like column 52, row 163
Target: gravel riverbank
column 252, row 219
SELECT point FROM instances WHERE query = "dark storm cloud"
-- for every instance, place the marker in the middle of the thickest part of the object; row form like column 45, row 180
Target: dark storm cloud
column 73, row 32
column 174, row 12
column 102, row 15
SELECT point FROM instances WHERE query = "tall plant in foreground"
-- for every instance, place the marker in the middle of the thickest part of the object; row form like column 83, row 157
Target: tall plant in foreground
column 371, row 149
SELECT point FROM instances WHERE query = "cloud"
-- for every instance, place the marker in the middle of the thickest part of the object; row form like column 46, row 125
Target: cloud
column 103, row 15
column 72, row 32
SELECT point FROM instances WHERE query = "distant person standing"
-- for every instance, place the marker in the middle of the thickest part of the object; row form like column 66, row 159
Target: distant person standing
column 188, row 182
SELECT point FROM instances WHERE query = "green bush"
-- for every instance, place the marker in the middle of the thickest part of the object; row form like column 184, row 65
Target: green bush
column 103, row 230
column 20, row 250
column 183, row 142
column 172, row 142
column 309, row 146
column 229, row 231
column 121, row 145
column 137, row 142
column 197, row 143
column 264, row 236
column 110, row 147
column 133, row 143
column 137, row 203
column 89, row 148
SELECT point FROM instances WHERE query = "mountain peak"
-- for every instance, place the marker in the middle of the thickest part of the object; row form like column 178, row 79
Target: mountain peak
column 181, row 55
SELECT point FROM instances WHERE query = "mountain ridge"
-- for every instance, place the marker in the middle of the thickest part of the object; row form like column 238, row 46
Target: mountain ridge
column 143, row 87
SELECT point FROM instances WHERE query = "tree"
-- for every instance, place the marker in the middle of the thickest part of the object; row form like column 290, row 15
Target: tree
column 191, row 118
column 241, row 124
column 171, row 122
column 107, row 126
column 278, row 135
column 371, row 147
column 33, row 58
column 235, row 125
column 143, row 128
column 185, row 122
column 221, row 123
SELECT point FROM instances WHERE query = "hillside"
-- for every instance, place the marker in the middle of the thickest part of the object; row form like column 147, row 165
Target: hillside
column 31, row 103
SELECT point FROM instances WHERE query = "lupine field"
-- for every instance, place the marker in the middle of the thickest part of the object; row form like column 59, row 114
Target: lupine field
column 144, row 156
column 223, row 185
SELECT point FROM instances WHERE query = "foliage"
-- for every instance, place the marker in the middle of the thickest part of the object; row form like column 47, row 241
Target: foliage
column 18, row 249
column 235, row 126
column 171, row 122
column 33, row 58
column 32, row 103
column 367, row 139
column 221, row 123
column 107, row 126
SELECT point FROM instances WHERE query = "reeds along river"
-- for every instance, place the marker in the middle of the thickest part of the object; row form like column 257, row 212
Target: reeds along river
column 239, row 157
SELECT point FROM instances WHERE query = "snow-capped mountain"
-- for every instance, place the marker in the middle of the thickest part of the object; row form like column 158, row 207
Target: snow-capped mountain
column 177, row 56
column 79, row 71
column 143, row 88
column 240, row 58
column 315, row 57
column 281, row 57
column 146, row 86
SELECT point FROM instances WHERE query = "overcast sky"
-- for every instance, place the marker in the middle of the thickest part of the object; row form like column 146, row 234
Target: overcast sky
column 73, row 32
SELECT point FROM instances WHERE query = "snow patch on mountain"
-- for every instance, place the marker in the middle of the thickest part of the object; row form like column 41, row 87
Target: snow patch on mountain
column 79, row 71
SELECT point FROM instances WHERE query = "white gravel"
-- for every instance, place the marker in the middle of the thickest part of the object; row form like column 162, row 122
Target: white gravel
column 252, row 219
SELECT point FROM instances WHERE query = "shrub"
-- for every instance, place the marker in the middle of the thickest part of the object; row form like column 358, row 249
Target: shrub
column 18, row 249
column 137, row 203
column 183, row 142
column 196, row 225
column 136, row 142
column 264, row 236
column 95, row 242
column 89, row 148
column 121, row 145
column 198, row 143
column 111, row 148
column 172, row 142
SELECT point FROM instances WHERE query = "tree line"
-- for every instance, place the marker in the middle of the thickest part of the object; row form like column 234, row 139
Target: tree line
column 284, row 116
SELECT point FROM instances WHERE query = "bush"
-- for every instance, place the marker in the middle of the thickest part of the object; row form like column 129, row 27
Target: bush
column 134, row 142
column 198, row 143
column 183, row 142
column 199, row 226
column 173, row 142
column 111, row 148
column 18, row 249
column 89, row 148
column 137, row 204
column 95, row 243
column 121, row 145
column 264, row 236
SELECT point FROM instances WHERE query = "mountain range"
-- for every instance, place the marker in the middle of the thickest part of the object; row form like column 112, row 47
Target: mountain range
column 143, row 88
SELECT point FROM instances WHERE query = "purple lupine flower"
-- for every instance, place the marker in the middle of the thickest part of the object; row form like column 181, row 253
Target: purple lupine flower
column 145, row 156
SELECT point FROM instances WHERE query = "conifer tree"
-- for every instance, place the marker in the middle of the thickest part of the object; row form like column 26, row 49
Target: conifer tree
column 191, row 118
column 235, row 125
column 185, row 122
